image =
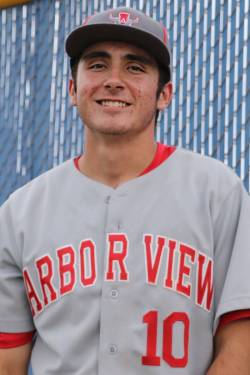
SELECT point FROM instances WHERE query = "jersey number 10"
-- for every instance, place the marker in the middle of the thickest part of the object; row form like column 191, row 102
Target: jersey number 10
column 151, row 359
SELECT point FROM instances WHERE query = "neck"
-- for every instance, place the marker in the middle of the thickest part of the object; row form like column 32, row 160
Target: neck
column 113, row 160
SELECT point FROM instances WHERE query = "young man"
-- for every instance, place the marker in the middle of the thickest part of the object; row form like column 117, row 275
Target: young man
column 134, row 257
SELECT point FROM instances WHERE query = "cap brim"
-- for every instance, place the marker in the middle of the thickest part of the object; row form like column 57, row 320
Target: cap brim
column 84, row 36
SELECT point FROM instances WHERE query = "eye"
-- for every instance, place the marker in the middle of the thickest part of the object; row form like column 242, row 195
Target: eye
column 135, row 68
column 97, row 66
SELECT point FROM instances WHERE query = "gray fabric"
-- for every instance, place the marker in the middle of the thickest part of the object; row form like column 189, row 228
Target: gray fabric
column 98, row 329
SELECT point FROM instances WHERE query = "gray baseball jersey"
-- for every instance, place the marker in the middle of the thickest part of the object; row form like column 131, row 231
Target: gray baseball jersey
column 130, row 280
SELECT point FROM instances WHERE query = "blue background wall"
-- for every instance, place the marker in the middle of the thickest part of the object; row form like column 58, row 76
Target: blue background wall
column 209, row 112
column 38, row 127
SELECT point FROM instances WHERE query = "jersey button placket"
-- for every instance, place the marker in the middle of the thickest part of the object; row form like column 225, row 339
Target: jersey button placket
column 114, row 293
column 107, row 199
column 112, row 349
column 109, row 318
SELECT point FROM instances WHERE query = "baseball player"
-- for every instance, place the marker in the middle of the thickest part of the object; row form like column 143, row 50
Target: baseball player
column 134, row 257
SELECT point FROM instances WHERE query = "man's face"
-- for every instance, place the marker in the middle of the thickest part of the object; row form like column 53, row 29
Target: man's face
column 116, row 86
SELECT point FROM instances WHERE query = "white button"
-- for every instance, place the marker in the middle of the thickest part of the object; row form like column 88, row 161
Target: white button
column 114, row 293
column 107, row 199
column 122, row 194
column 113, row 349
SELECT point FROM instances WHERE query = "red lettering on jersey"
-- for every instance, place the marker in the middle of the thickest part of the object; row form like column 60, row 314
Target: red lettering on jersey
column 118, row 257
column 31, row 293
column 151, row 358
column 204, row 282
column 152, row 266
column 168, row 330
column 66, row 269
column 169, row 275
column 87, row 263
column 184, row 269
column 45, row 270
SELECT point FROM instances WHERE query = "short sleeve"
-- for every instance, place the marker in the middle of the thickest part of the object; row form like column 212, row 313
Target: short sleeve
column 15, row 313
column 232, row 253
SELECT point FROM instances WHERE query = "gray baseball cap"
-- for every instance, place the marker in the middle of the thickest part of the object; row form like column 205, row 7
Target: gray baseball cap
column 123, row 25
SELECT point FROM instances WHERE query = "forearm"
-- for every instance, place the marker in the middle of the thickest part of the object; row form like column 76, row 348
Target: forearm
column 15, row 361
column 9, row 371
column 229, row 364
column 232, row 350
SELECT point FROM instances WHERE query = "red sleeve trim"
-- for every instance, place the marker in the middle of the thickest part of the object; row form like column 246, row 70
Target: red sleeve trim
column 233, row 316
column 13, row 340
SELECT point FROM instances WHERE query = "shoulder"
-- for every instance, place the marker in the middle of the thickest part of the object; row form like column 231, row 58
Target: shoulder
column 33, row 194
column 201, row 162
column 205, row 179
column 207, row 170
column 51, row 177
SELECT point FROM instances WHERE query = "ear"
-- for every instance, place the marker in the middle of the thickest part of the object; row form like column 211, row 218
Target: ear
column 165, row 96
column 72, row 92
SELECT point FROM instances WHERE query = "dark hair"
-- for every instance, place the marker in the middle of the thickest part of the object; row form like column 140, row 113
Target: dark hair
column 164, row 77
column 73, row 67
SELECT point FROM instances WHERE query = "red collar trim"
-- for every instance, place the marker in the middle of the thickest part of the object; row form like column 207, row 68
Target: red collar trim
column 76, row 162
column 162, row 153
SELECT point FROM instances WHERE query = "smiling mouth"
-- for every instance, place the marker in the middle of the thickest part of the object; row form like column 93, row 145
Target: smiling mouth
column 113, row 103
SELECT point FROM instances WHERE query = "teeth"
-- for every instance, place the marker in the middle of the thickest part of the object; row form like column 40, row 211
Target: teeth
column 111, row 103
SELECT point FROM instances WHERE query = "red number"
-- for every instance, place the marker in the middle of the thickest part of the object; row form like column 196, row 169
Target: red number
column 151, row 359
column 167, row 349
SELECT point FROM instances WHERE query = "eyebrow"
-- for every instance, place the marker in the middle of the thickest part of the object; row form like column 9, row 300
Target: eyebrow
column 130, row 57
column 95, row 54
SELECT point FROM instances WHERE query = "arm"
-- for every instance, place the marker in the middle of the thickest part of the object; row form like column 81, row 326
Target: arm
column 232, row 349
column 15, row 361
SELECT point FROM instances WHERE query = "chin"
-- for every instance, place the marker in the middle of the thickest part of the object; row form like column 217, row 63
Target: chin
column 111, row 129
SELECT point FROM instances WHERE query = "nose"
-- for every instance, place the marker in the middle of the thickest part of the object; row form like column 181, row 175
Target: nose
column 114, row 80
